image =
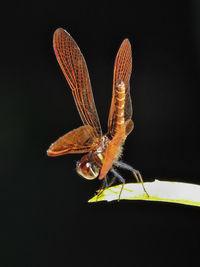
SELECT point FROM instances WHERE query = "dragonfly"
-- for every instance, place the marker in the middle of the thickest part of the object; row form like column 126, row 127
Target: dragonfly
column 103, row 151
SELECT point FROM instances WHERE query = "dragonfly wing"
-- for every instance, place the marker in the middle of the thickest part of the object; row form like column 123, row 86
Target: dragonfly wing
column 79, row 140
column 122, row 73
column 75, row 70
column 114, row 148
column 112, row 152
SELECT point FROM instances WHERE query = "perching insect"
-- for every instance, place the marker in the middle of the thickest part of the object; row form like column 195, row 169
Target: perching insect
column 104, row 151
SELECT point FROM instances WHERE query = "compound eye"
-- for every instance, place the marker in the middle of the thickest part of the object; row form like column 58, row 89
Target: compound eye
column 86, row 169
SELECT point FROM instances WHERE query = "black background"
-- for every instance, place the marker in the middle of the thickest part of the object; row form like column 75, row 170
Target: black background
column 45, row 217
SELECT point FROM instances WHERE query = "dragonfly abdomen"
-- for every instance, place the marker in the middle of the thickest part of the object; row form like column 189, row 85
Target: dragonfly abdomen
column 120, row 92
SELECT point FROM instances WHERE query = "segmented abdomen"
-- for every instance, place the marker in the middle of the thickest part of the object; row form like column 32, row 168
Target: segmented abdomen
column 120, row 96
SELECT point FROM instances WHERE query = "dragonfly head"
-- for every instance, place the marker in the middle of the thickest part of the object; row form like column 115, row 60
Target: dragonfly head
column 87, row 168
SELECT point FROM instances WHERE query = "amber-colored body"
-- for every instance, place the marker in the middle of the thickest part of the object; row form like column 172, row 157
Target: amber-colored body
column 103, row 150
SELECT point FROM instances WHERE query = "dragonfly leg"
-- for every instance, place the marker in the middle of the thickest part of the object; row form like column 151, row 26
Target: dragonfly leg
column 135, row 172
column 105, row 184
column 103, row 187
column 120, row 178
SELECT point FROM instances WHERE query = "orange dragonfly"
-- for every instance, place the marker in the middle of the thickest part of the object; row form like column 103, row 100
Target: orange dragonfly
column 104, row 151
